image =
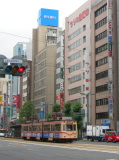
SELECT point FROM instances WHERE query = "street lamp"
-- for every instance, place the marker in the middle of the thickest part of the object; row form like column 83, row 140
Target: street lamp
column 88, row 105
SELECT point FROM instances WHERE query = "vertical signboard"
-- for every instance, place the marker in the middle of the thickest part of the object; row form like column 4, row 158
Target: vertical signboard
column 41, row 111
column 87, row 84
column 110, row 53
column 61, row 100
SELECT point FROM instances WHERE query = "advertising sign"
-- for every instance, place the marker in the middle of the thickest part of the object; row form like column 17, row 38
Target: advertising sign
column 16, row 100
column 41, row 114
column 79, row 17
column 61, row 100
column 105, row 122
column 48, row 17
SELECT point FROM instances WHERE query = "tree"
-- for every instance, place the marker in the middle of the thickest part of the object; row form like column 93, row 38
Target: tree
column 27, row 112
column 56, row 108
column 76, row 114
column 67, row 108
column 49, row 116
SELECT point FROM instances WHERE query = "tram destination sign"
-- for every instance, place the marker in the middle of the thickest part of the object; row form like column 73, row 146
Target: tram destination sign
column 12, row 61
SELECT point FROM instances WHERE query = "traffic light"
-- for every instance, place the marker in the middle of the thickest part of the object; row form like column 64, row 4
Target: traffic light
column 16, row 70
column 14, row 66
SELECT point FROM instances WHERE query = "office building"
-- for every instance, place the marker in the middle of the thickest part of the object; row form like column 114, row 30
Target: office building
column 44, row 43
column 91, row 57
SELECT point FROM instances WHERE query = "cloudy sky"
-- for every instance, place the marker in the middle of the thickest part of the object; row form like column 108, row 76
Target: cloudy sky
column 19, row 17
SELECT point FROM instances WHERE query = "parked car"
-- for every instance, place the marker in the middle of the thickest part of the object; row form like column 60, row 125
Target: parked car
column 111, row 136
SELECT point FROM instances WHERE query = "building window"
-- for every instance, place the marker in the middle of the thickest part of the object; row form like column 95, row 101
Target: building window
column 75, row 78
column 84, row 39
column 101, row 48
column 84, row 27
column 101, row 36
column 102, row 88
column 101, row 10
column 58, row 65
column 74, row 34
column 101, row 23
column 75, row 44
column 102, row 75
column 75, row 90
column 100, row 102
column 58, row 44
column 75, row 56
column 103, row 115
column 76, row 67
column 101, row 61
column 84, row 51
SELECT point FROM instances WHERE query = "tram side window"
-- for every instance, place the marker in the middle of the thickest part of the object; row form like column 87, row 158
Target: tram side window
column 29, row 128
column 56, row 127
column 39, row 128
column 46, row 127
column 25, row 128
column 34, row 127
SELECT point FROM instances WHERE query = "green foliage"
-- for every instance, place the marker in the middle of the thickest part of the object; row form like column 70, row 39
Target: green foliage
column 27, row 112
column 49, row 116
column 67, row 108
column 76, row 109
column 56, row 108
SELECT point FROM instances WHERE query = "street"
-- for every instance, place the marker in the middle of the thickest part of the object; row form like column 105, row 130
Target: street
column 14, row 149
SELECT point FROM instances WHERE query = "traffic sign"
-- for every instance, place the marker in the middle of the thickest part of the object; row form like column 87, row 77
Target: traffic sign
column 12, row 61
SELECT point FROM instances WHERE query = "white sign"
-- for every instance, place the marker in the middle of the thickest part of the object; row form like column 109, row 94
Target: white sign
column 12, row 61
column 49, row 17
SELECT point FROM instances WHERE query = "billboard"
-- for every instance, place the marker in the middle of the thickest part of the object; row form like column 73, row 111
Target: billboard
column 48, row 17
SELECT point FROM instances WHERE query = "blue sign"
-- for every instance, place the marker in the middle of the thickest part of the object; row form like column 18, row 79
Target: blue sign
column 48, row 17
column 111, row 103
column 109, row 38
column 41, row 114
column 110, row 109
column 41, row 105
column 105, row 122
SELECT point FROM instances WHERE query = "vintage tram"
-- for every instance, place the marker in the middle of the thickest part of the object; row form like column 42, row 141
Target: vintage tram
column 56, row 131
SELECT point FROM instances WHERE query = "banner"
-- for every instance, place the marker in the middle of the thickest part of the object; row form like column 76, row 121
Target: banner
column 16, row 100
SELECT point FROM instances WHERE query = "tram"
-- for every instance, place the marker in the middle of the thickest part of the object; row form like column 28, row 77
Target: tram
column 56, row 131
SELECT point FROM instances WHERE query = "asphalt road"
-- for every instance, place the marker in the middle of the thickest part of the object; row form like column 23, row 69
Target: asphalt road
column 12, row 149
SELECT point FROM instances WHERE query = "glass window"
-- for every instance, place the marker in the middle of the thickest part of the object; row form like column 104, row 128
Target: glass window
column 57, row 127
column 46, row 127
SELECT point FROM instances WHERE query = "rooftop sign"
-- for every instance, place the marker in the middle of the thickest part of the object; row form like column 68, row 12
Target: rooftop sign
column 48, row 17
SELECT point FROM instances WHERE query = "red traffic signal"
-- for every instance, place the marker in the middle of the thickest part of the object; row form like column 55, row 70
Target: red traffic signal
column 21, row 69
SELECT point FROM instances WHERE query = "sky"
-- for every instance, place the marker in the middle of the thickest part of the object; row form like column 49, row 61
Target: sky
column 19, row 17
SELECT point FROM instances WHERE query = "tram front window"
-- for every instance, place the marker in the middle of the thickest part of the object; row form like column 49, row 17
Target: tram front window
column 69, row 127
